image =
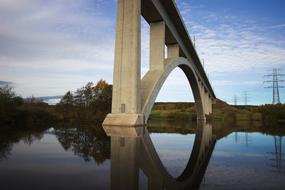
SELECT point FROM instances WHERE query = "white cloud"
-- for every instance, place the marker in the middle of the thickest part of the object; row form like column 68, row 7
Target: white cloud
column 46, row 37
column 229, row 44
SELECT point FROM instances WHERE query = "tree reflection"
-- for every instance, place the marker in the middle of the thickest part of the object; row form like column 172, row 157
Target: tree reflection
column 5, row 149
column 8, row 137
column 88, row 142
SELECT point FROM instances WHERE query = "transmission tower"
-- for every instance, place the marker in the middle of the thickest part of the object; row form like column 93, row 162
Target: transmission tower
column 235, row 100
column 275, row 85
column 245, row 98
column 277, row 156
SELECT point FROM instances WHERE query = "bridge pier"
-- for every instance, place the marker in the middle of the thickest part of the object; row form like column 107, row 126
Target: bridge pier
column 157, row 44
column 134, row 97
column 127, row 74
column 125, row 165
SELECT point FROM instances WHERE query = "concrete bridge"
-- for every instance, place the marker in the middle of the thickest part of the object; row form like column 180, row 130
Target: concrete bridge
column 135, row 152
column 134, row 97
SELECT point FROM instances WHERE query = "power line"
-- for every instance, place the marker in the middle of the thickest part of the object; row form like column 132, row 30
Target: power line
column 275, row 85
column 245, row 98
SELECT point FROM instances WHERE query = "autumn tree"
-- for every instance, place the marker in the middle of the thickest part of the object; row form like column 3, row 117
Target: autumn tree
column 92, row 101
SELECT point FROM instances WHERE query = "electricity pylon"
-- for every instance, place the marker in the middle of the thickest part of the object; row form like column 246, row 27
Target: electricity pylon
column 275, row 85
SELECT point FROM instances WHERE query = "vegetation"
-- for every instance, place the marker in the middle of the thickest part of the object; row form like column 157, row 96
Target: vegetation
column 269, row 115
column 174, row 111
column 92, row 102
column 89, row 103
column 17, row 112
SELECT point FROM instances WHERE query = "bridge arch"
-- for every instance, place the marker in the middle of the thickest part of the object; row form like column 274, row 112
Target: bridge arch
column 131, row 153
column 154, row 80
column 193, row 173
column 134, row 97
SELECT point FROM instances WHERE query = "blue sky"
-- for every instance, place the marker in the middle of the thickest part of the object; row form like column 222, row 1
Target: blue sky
column 50, row 47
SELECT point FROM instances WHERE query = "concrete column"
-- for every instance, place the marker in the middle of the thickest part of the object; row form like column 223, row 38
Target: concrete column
column 210, row 105
column 201, row 112
column 205, row 97
column 126, row 81
column 172, row 51
column 124, row 163
column 157, row 44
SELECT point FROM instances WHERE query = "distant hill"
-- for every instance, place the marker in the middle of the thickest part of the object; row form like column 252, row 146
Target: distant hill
column 44, row 98
column 187, row 111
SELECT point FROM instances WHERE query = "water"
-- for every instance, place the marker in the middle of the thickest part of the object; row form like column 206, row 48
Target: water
column 80, row 158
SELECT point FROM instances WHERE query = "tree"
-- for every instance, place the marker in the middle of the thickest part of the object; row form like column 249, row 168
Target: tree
column 6, row 92
column 79, row 99
column 67, row 99
column 88, row 93
column 8, row 99
column 102, row 99
column 88, row 102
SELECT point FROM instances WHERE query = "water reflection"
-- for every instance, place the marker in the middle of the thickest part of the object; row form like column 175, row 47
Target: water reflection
column 58, row 158
column 9, row 137
column 134, row 151
column 87, row 143
column 158, row 157
column 277, row 156
column 238, row 165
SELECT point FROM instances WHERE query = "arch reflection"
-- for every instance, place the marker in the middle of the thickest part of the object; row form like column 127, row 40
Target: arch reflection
column 132, row 150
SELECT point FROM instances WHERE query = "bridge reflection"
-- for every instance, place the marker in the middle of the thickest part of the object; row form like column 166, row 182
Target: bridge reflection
column 132, row 150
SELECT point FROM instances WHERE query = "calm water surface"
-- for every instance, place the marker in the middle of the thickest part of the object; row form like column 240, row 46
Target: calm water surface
column 79, row 158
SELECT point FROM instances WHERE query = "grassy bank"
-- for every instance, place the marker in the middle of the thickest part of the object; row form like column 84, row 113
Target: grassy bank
column 266, row 114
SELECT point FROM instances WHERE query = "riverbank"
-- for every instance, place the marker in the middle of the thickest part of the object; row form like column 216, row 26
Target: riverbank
column 265, row 114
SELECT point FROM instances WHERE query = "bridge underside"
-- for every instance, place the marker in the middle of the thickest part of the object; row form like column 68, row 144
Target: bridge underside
column 134, row 97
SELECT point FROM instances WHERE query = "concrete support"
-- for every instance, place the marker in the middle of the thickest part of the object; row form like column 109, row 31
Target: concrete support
column 133, row 98
column 206, row 102
column 157, row 44
column 124, row 163
column 173, row 51
column 199, row 101
column 126, row 81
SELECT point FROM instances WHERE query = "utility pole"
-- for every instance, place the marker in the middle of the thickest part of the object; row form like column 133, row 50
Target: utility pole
column 235, row 100
column 275, row 85
column 245, row 98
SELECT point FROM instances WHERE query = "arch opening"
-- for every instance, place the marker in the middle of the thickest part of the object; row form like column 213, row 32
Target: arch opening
column 171, row 126
column 175, row 99
column 192, row 174
column 153, row 81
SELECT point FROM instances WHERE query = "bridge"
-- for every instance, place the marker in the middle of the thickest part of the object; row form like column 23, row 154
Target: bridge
column 135, row 152
column 134, row 97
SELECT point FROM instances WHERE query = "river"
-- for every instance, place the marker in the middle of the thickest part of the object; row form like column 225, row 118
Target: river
column 80, row 157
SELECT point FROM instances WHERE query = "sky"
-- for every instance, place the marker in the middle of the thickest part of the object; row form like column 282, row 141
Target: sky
column 50, row 47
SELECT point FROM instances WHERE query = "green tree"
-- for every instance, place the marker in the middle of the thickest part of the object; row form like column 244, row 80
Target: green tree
column 79, row 99
column 67, row 99
column 88, row 93
column 8, row 99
